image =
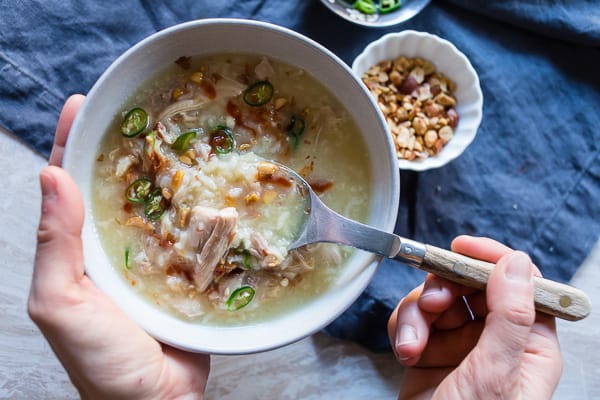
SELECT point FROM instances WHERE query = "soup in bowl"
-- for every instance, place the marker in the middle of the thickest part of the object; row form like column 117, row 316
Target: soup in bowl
column 187, row 229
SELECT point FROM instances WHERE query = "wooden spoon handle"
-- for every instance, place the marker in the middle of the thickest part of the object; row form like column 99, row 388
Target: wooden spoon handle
column 554, row 298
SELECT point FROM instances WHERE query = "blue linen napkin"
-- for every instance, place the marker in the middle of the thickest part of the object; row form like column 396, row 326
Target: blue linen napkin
column 530, row 179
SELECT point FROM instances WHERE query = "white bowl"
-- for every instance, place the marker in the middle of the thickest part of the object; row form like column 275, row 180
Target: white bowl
column 121, row 79
column 449, row 61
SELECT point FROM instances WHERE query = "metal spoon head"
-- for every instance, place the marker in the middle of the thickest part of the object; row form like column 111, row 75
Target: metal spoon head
column 319, row 222
column 322, row 224
column 277, row 172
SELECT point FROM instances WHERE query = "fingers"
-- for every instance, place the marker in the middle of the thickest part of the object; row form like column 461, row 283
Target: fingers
column 439, row 293
column 438, row 307
column 482, row 248
column 190, row 367
column 511, row 315
column 408, row 328
column 411, row 324
column 447, row 348
column 65, row 121
column 462, row 311
column 59, row 254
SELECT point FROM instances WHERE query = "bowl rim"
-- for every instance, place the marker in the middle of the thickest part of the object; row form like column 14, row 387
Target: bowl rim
column 360, row 280
column 436, row 161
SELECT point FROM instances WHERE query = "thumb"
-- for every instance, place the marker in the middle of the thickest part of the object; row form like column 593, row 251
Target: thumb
column 59, row 254
column 510, row 301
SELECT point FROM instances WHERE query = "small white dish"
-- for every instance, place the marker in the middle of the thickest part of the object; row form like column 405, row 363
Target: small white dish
column 449, row 61
column 407, row 11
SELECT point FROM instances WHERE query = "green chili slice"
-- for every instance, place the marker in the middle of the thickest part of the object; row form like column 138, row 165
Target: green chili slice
column 240, row 298
column 155, row 205
column 388, row 6
column 127, row 258
column 134, row 122
column 138, row 190
column 258, row 93
column 295, row 130
column 365, row 6
column 221, row 140
column 183, row 141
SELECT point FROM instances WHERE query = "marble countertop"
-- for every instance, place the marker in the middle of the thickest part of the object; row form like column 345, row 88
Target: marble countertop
column 318, row 367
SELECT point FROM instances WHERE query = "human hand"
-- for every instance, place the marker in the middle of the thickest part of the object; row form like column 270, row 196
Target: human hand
column 104, row 352
column 507, row 351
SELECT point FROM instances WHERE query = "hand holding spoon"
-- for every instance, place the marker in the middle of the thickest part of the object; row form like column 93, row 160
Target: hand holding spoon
column 325, row 225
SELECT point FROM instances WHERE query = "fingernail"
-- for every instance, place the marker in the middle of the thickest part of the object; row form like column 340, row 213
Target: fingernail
column 48, row 185
column 519, row 267
column 406, row 335
column 432, row 288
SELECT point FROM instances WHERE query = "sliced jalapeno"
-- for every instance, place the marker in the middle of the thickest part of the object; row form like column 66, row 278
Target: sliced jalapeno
column 388, row 6
column 183, row 141
column 365, row 6
column 240, row 298
column 221, row 140
column 138, row 190
column 295, row 130
column 258, row 93
column 134, row 122
column 155, row 205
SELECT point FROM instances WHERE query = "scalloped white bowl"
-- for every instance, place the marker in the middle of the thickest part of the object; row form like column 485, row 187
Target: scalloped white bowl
column 151, row 55
column 449, row 61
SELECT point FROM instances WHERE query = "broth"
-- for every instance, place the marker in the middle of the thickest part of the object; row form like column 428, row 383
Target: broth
column 216, row 233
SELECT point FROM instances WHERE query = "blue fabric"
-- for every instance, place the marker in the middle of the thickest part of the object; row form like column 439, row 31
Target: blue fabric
column 530, row 178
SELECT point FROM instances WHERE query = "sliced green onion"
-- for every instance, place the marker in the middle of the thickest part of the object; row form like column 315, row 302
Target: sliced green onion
column 295, row 130
column 365, row 6
column 155, row 205
column 240, row 298
column 388, row 6
column 221, row 140
column 182, row 142
column 135, row 122
column 127, row 258
column 258, row 93
column 138, row 190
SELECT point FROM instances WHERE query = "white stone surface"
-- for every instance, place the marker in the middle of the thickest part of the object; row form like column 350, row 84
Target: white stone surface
column 318, row 367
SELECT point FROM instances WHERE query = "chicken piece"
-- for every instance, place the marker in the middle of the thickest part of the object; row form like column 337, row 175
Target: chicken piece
column 264, row 69
column 164, row 134
column 211, row 232
column 266, row 256
column 154, row 158
column 124, row 164
column 227, row 87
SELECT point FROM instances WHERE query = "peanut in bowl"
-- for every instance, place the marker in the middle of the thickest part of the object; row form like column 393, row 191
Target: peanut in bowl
column 428, row 93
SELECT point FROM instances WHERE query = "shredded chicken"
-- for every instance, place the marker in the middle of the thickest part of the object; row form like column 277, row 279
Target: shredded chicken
column 267, row 257
column 124, row 164
column 183, row 106
column 154, row 159
column 227, row 87
column 264, row 69
column 211, row 233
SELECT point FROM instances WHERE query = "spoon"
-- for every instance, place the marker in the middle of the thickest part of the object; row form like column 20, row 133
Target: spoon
column 325, row 225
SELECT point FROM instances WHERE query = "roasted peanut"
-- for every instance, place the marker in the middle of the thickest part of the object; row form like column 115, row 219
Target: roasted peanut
column 417, row 102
